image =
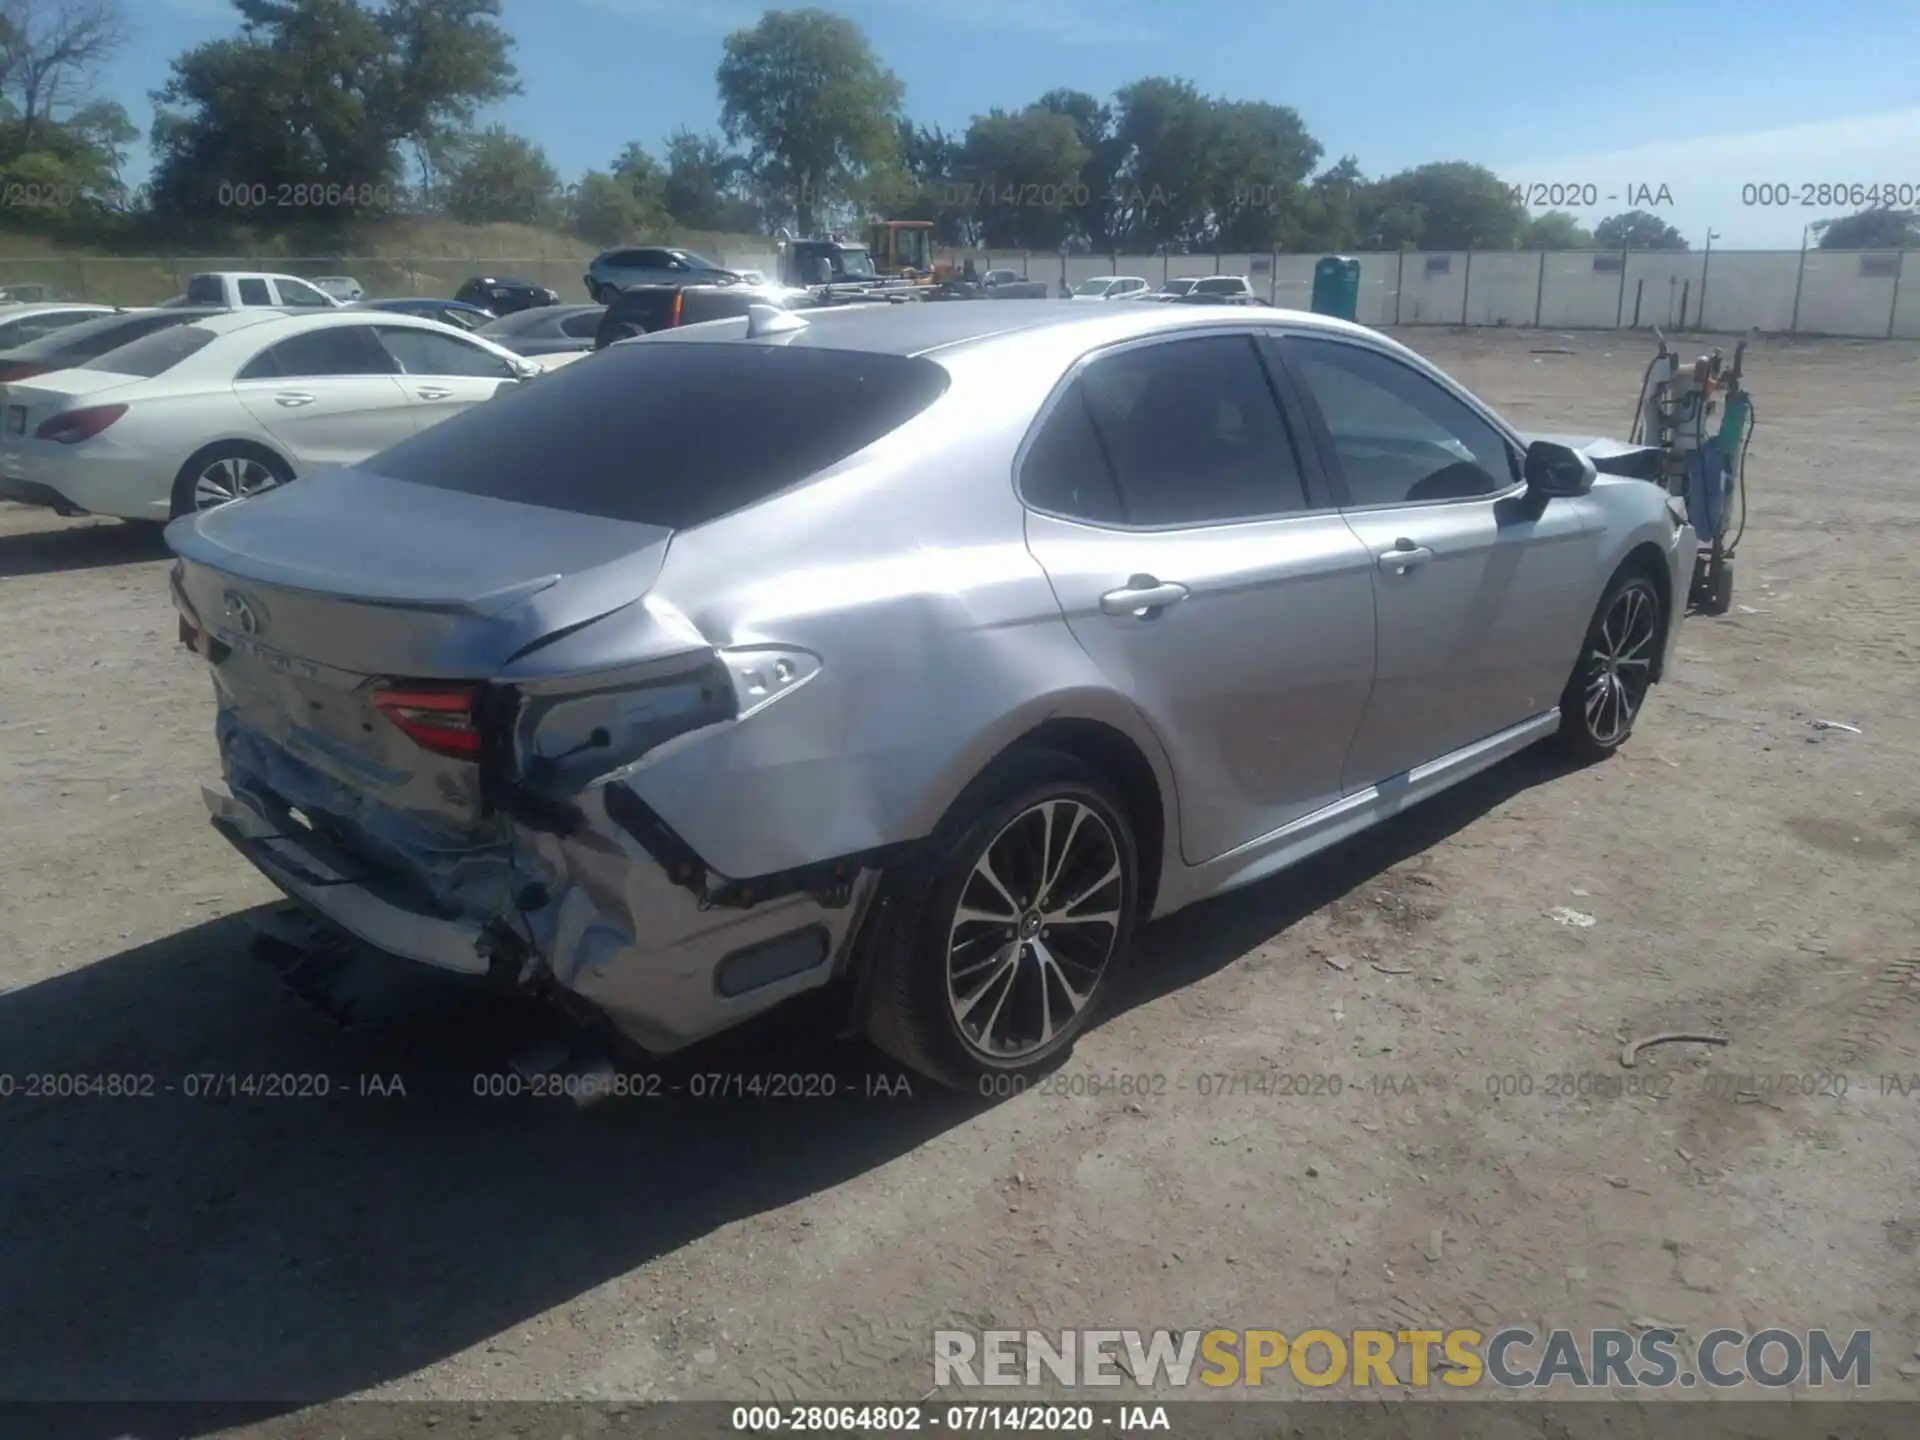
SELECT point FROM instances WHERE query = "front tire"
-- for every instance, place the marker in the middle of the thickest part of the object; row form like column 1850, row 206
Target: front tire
column 223, row 473
column 1610, row 680
column 1019, row 929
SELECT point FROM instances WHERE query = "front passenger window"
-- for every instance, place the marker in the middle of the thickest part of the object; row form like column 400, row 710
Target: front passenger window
column 1400, row 438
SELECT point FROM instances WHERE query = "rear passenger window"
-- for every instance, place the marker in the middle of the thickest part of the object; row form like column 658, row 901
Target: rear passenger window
column 254, row 292
column 1066, row 470
column 1189, row 432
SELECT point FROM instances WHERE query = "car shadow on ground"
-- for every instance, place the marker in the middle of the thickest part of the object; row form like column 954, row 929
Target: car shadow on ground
column 1197, row 941
column 80, row 547
column 198, row 1242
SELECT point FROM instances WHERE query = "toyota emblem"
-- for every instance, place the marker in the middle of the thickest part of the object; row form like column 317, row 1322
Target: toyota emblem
column 241, row 613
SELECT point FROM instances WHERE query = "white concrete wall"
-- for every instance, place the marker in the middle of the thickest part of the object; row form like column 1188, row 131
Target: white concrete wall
column 1743, row 290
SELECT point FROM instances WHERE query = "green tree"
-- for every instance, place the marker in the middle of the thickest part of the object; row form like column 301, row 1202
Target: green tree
column 803, row 91
column 1329, row 210
column 1092, row 216
column 1019, row 175
column 60, row 155
column 1880, row 228
column 702, row 185
column 314, row 94
column 1637, row 230
column 645, row 179
column 1261, row 157
column 924, row 185
column 503, row 176
column 1556, row 230
column 1164, row 134
column 51, row 53
column 1460, row 206
column 603, row 210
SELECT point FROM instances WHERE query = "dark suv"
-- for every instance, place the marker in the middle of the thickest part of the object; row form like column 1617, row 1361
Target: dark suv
column 503, row 294
column 642, row 309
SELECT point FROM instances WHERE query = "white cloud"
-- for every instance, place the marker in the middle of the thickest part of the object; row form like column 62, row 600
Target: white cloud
column 1708, row 177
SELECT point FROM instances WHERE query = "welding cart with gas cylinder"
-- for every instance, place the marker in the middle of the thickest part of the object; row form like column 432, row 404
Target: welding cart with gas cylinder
column 1700, row 417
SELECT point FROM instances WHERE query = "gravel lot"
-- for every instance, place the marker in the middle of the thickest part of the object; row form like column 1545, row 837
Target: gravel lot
column 1745, row 873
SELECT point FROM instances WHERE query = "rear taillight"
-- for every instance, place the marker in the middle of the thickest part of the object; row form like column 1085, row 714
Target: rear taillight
column 70, row 427
column 442, row 719
column 13, row 372
column 673, row 315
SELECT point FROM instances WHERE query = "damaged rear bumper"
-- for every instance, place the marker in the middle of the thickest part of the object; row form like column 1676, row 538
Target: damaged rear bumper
column 595, row 913
column 312, row 872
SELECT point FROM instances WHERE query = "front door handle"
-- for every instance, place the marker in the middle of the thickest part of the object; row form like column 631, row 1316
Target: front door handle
column 1403, row 556
column 292, row 398
column 433, row 392
column 1142, row 597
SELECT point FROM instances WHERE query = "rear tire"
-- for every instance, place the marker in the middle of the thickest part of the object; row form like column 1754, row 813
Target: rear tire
column 229, row 465
column 1012, row 932
column 1611, row 678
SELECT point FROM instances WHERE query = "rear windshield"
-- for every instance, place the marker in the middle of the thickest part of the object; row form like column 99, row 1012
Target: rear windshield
column 670, row 435
column 153, row 354
column 96, row 337
column 521, row 320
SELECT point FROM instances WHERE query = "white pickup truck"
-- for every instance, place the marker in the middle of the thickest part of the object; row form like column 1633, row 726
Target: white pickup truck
column 236, row 289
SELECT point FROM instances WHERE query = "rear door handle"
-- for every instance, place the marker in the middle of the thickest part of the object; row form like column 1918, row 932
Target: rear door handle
column 433, row 392
column 1142, row 597
column 1403, row 556
column 292, row 398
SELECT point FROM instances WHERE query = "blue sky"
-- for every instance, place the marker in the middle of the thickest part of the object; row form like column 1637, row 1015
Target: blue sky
column 1612, row 93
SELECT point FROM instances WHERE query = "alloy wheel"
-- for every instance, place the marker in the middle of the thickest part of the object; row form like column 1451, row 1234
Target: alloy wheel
column 232, row 478
column 1034, row 929
column 1622, row 661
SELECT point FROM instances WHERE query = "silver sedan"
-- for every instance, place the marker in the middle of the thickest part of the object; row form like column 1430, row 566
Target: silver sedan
column 921, row 650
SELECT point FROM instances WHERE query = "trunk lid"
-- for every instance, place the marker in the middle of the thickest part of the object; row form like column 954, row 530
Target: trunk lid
column 321, row 590
column 25, row 404
column 349, row 569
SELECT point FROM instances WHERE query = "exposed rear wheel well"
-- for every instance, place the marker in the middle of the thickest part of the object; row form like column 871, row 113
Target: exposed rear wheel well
column 1117, row 758
column 1647, row 559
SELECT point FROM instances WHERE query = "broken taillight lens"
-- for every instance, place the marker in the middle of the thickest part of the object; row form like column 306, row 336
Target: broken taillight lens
column 442, row 719
column 70, row 427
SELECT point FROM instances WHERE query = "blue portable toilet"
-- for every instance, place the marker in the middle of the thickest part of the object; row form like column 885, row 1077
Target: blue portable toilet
column 1336, row 287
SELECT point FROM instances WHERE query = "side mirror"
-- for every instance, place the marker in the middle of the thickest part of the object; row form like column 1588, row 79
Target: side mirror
column 1556, row 472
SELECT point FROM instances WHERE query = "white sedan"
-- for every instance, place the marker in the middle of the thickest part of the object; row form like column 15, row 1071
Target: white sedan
column 234, row 403
column 21, row 324
column 1110, row 287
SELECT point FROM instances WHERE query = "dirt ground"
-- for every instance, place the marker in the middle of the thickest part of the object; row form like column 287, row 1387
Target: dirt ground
column 1746, row 873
